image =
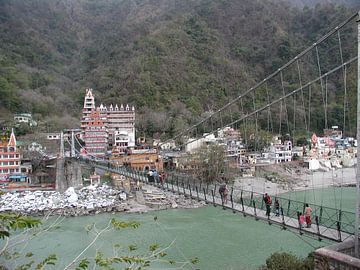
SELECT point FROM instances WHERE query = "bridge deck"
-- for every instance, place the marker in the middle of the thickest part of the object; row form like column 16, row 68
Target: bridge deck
column 286, row 222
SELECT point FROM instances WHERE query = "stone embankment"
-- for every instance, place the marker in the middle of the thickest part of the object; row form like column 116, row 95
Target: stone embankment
column 92, row 200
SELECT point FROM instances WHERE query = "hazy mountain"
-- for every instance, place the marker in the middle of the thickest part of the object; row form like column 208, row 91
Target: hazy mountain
column 168, row 58
column 312, row 3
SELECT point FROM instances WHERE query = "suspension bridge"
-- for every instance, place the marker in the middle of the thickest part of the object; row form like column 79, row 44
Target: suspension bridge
column 292, row 100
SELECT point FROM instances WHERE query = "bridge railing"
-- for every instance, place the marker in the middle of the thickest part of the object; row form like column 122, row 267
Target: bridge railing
column 330, row 218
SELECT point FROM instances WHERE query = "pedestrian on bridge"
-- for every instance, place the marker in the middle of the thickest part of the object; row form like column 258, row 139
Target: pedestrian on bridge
column 223, row 190
column 267, row 200
column 308, row 211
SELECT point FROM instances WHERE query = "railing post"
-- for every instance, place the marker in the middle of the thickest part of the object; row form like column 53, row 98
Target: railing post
column 251, row 197
column 232, row 201
column 317, row 227
column 338, row 225
column 167, row 185
column 256, row 218
column 205, row 195
column 183, row 186
column 213, row 196
column 242, row 203
column 197, row 193
column 288, row 208
column 283, row 218
column 321, row 212
column 177, row 184
column 190, row 191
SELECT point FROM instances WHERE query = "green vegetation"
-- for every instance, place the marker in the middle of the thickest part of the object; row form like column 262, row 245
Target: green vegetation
column 288, row 261
column 178, row 59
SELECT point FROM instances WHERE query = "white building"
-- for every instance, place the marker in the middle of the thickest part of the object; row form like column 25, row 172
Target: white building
column 279, row 153
column 119, row 121
column 24, row 118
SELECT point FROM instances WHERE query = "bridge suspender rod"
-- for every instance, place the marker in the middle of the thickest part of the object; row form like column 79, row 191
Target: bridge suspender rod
column 325, row 37
column 322, row 85
column 282, row 98
column 284, row 102
column 357, row 207
column 302, row 92
column 345, row 84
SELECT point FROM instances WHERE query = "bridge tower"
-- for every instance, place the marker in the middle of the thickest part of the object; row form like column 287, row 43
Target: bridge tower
column 68, row 171
column 72, row 153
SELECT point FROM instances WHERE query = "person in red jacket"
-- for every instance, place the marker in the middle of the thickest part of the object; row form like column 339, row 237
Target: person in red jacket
column 267, row 200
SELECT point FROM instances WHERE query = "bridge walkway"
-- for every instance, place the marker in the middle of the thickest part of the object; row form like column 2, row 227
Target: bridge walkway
column 328, row 223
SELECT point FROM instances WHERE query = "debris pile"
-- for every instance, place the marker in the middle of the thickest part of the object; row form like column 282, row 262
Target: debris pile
column 92, row 200
column 86, row 201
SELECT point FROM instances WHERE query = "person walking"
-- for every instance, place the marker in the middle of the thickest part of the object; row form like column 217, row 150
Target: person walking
column 301, row 221
column 223, row 190
column 307, row 213
column 267, row 200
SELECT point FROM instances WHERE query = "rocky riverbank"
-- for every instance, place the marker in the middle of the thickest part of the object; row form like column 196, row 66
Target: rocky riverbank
column 92, row 200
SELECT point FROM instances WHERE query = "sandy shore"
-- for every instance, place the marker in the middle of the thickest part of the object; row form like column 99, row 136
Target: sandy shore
column 311, row 180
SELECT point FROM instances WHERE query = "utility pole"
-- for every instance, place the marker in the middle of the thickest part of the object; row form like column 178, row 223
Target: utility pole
column 357, row 207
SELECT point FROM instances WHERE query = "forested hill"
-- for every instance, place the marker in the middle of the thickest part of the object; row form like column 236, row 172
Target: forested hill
column 176, row 58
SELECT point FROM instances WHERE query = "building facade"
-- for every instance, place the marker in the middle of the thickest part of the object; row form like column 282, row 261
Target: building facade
column 118, row 121
column 24, row 118
column 140, row 159
column 95, row 135
column 9, row 158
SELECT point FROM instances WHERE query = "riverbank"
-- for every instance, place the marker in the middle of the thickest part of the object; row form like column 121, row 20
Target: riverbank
column 303, row 180
column 93, row 200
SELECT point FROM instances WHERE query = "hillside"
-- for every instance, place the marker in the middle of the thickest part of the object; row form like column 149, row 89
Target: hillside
column 172, row 59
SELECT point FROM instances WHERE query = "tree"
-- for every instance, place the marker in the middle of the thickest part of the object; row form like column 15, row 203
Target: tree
column 209, row 162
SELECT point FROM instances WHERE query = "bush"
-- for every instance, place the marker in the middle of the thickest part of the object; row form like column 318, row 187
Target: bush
column 288, row 261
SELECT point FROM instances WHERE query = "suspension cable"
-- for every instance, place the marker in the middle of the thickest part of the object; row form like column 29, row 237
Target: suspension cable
column 314, row 45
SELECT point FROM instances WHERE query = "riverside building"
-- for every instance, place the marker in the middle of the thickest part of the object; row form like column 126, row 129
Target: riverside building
column 118, row 122
column 9, row 158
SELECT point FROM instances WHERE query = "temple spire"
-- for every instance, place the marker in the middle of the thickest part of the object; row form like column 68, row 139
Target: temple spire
column 12, row 140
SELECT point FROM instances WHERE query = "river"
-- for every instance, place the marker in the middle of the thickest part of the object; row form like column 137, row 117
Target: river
column 219, row 238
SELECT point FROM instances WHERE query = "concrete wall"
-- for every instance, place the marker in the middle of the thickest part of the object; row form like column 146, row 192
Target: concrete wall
column 68, row 174
column 337, row 257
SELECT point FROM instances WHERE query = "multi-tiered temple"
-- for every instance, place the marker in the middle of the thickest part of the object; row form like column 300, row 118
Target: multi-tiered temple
column 106, row 127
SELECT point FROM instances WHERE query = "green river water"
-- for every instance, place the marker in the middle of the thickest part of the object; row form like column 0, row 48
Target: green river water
column 219, row 238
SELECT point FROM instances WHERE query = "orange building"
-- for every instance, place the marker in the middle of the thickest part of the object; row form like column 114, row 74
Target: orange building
column 9, row 158
column 96, row 135
column 140, row 159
